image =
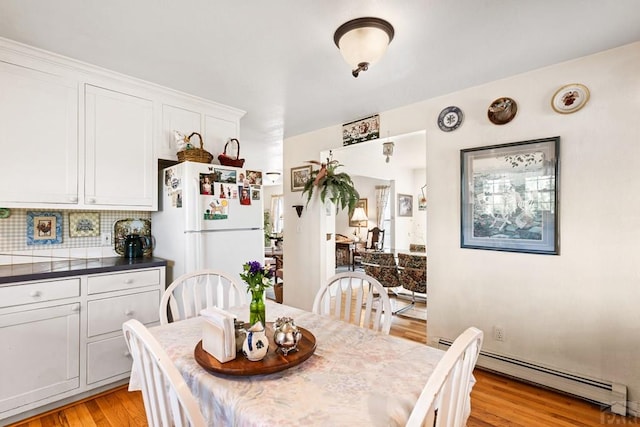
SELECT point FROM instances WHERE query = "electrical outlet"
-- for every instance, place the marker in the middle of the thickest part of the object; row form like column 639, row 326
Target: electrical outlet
column 498, row 333
column 105, row 238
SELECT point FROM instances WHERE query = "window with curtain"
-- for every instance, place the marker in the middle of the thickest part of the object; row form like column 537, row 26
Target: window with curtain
column 276, row 213
column 383, row 212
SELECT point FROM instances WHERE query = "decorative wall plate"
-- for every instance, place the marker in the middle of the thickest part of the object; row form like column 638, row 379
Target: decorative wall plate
column 450, row 119
column 502, row 111
column 570, row 98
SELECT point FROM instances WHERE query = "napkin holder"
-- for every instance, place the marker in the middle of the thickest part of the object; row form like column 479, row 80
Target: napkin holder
column 218, row 334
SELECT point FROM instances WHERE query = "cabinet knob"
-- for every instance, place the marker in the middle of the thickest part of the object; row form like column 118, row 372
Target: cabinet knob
column 128, row 281
column 128, row 313
column 75, row 308
column 91, row 200
column 73, row 199
column 35, row 293
column 127, row 354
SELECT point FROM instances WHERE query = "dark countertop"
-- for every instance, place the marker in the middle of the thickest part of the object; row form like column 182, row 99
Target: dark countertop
column 53, row 269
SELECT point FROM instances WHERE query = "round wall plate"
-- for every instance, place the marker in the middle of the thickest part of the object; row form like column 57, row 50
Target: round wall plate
column 570, row 98
column 450, row 119
column 502, row 111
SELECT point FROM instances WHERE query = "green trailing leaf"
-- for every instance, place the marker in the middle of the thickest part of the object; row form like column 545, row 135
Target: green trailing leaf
column 336, row 187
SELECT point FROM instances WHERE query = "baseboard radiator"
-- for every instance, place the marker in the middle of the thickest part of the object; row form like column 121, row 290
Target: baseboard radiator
column 603, row 393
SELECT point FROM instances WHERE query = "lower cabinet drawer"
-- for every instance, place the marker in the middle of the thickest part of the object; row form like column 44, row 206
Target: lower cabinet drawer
column 39, row 292
column 121, row 281
column 107, row 358
column 108, row 314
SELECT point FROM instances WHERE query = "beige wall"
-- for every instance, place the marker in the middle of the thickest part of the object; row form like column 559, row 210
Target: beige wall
column 577, row 311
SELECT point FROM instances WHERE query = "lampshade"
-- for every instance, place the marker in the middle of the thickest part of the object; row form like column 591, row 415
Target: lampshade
column 363, row 41
column 359, row 215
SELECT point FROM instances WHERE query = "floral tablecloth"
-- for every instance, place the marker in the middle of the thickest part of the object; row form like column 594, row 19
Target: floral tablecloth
column 355, row 377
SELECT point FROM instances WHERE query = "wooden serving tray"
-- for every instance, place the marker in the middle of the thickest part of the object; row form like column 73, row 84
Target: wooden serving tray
column 274, row 361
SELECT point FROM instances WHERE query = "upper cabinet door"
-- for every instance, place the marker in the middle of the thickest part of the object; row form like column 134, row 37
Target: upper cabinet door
column 180, row 119
column 119, row 163
column 38, row 136
column 217, row 133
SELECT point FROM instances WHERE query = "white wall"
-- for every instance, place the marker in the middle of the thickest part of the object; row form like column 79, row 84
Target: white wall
column 576, row 311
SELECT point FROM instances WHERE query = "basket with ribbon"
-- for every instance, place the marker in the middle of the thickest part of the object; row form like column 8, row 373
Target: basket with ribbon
column 226, row 160
column 191, row 153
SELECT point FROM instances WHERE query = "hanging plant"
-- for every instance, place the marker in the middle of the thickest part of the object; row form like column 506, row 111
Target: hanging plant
column 329, row 184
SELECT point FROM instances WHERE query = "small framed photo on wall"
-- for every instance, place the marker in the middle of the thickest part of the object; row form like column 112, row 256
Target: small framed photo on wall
column 299, row 177
column 405, row 205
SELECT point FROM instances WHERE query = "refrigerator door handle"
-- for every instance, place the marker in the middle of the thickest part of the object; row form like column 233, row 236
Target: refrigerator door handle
column 223, row 230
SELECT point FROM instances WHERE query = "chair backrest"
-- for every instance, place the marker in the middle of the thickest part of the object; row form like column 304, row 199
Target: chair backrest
column 192, row 292
column 413, row 272
column 445, row 397
column 381, row 266
column 375, row 238
column 166, row 396
column 350, row 298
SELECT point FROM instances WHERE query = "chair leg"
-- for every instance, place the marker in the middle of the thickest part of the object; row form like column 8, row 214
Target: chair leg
column 408, row 307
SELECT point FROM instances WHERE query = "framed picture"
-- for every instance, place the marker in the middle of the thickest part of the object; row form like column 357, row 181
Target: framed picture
column 299, row 177
column 44, row 228
column 84, row 224
column 405, row 205
column 509, row 199
column 361, row 130
column 362, row 203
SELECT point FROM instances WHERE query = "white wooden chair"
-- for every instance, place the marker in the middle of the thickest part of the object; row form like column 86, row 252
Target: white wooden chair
column 191, row 292
column 444, row 401
column 352, row 295
column 167, row 399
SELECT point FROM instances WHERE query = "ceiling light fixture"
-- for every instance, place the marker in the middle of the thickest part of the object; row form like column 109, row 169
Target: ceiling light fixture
column 273, row 176
column 363, row 41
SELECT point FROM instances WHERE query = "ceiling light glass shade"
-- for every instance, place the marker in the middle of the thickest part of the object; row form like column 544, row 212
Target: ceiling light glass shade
column 363, row 41
column 273, row 176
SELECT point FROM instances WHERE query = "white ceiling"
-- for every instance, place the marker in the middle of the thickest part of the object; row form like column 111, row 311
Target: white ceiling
column 277, row 59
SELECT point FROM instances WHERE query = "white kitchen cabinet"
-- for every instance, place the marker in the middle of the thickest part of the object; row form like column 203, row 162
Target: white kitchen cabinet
column 80, row 137
column 215, row 123
column 40, row 354
column 184, row 121
column 38, row 136
column 119, row 166
column 62, row 338
column 217, row 131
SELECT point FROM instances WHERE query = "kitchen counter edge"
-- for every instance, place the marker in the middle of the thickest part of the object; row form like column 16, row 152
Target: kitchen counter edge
column 15, row 273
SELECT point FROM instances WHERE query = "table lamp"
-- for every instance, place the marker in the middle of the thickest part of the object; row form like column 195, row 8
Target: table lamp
column 360, row 216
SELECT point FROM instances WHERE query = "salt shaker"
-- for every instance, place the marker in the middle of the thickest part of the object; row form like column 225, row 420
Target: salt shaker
column 240, row 334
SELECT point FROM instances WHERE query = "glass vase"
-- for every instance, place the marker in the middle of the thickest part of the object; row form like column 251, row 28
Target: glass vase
column 256, row 308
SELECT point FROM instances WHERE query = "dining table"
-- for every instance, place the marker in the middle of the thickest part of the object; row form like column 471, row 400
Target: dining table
column 355, row 376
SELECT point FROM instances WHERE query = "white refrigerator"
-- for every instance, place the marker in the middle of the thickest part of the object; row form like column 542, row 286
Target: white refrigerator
column 209, row 216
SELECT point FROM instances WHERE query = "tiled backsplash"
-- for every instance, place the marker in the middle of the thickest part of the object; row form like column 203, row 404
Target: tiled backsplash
column 13, row 238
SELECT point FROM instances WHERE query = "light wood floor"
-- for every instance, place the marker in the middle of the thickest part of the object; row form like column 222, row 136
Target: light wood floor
column 495, row 401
